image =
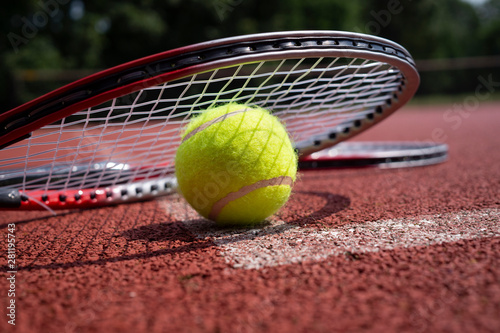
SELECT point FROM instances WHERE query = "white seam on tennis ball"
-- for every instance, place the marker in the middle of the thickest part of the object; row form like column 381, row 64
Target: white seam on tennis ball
column 213, row 121
column 219, row 205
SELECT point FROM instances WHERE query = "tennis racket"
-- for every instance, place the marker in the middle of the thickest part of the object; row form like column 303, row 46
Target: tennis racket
column 111, row 137
column 377, row 154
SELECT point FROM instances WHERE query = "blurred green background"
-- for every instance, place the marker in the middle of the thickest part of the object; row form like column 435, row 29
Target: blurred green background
column 47, row 43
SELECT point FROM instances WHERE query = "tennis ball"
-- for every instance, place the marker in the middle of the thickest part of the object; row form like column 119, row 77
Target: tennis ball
column 236, row 164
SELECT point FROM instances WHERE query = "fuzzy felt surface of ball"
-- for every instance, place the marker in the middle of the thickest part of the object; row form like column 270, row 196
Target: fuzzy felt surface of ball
column 236, row 164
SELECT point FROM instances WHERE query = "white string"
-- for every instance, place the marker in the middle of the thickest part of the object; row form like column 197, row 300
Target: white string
column 40, row 203
column 136, row 136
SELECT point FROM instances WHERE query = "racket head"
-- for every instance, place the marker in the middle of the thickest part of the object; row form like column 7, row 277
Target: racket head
column 326, row 86
column 169, row 66
column 376, row 154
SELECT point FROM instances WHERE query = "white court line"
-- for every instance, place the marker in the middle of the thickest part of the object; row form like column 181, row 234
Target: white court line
column 280, row 244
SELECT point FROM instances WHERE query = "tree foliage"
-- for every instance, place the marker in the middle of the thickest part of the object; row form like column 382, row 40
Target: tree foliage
column 91, row 34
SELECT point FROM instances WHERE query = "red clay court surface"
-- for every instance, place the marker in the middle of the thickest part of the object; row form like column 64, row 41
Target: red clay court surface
column 409, row 250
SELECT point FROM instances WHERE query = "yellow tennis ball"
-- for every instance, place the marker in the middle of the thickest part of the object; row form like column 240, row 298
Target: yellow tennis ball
column 236, row 164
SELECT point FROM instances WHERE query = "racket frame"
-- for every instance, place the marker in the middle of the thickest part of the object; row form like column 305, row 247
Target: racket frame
column 18, row 123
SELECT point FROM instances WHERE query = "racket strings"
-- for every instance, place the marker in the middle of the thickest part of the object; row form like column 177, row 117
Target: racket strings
column 134, row 137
